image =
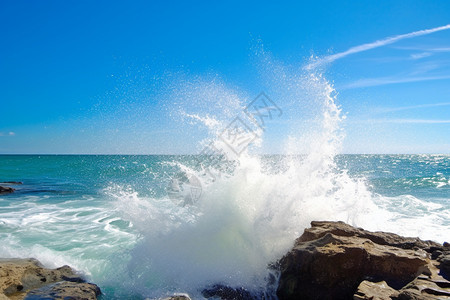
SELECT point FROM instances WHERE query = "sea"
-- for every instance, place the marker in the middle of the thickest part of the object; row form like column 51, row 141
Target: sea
column 150, row 226
column 112, row 217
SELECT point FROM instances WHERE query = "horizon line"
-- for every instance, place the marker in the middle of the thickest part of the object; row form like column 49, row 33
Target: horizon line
column 118, row 154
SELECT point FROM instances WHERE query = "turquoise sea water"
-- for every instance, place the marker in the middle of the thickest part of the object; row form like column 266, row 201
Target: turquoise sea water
column 111, row 216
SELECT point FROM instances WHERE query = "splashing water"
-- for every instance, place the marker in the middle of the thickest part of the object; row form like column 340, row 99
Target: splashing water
column 248, row 217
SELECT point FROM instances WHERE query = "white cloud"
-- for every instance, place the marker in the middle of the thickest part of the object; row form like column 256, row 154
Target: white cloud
column 408, row 121
column 367, row 82
column 392, row 109
column 376, row 44
column 426, row 48
column 420, row 55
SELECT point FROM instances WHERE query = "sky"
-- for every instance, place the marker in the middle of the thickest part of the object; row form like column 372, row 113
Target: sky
column 85, row 77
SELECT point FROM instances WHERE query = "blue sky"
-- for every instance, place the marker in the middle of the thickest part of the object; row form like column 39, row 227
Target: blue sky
column 95, row 77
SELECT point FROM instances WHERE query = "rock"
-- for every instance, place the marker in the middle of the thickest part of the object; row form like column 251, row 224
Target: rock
column 435, row 254
column 331, row 259
column 178, row 297
column 223, row 292
column 421, row 288
column 6, row 190
column 444, row 259
column 374, row 291
column 20, row 276
column 424, row 288
column 12, row 182
column 65, row 290
column 319, row 229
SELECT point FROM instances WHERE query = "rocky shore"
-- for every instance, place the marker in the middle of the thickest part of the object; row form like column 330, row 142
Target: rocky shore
column 331, row 260
column 28, row 279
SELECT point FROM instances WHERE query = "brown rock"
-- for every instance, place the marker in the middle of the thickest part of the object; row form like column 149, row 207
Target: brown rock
column 6, row 190
column 422, row 288
column 19, row 276
column 65, row 290
column 331, row 259
column 374, row 291
column 320, row 228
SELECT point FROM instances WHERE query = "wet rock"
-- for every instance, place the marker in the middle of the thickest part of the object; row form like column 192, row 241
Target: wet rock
column 12, row 182
column 6, row 190
column 444, row 260
column 223, row 292
column 331, row 259
column 424, row 288
column 178, row 297
column 374, row 291
column 20, row 276
column 65, row 290
column 320, row 228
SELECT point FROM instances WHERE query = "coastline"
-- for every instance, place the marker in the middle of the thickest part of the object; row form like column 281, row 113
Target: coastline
column 27, row 278
column 330, row 260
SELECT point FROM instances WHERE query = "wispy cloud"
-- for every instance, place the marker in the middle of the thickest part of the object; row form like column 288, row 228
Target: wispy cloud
column 401, row 108
column 398, row 121
column 368, row 82
column 425, row 51
column 376, row 44
column 409, row 121
column 10, row 133
column 425, row 48
column 420, row 55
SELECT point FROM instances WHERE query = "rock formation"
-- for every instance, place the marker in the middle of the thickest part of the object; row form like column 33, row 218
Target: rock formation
column 6, row 190
column 28, row 279
column 333, row 260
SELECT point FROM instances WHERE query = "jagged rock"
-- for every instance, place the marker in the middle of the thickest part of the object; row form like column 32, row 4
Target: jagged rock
column 320, row 228
column 65, row 290
column 374, row 291
column 20, row 276
column 223, row 292
column 444, row 260
column 331, row 259
column 425, row 288
column 6, row 190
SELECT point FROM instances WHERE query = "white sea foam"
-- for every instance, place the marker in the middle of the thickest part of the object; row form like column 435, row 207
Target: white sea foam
column 63, row 233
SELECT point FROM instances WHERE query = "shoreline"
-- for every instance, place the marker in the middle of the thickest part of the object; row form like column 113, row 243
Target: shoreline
column 330, row 260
